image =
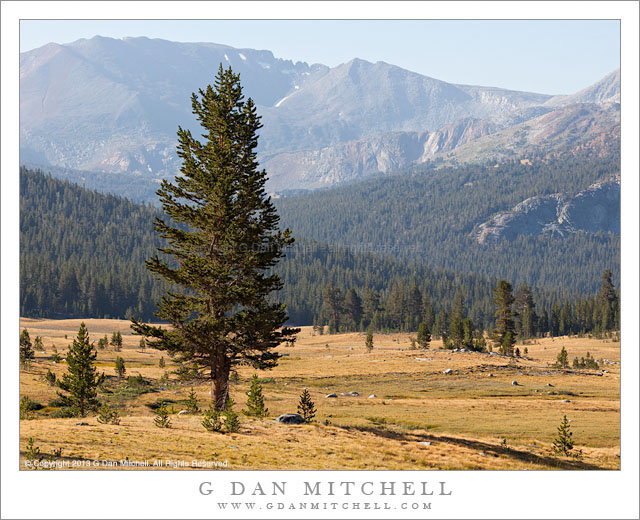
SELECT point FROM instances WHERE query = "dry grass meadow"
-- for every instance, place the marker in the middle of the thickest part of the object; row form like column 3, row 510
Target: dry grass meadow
column 473, row 418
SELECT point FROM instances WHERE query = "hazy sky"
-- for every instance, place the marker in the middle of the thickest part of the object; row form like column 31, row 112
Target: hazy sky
column 547, row 56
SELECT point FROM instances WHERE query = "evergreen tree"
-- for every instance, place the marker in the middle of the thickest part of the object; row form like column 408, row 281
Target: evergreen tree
column 26, row 351
column 554, row 321
column 116, row 341
column 81, row 381
column 103, row 342
column 370, row 306
column 334, row 304
column 562, row 361
column 524, row 307
column 608, row 302
column 504, row 333
column 467, row 333
column 353, row 307
column 161, row 363
column 456, row 329
column 428, row 315
column 50, row 378
column 225, row 241
column 563, row 443
column 395, row 307
column 424, row 335
column 439, row 327
column 414, row 308
column 255, row 399
column 161, row 419
column 108, row 415
column 192, row 402
column 37, row 344
column 368, row 343
column 119, row 366
column 306, row 407
column 231, row 418
column 212, row 420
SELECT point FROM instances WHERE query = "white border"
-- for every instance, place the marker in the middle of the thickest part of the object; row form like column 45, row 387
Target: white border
column 162, row 495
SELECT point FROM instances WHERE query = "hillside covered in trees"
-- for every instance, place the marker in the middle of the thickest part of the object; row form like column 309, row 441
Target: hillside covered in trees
column 430, row 216
column 82, row 255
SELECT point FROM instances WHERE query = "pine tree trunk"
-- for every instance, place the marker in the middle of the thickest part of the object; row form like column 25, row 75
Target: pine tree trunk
column 220, row 385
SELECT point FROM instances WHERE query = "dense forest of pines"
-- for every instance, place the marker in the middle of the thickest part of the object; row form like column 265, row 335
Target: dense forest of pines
column 82, row 255
column 427, row 216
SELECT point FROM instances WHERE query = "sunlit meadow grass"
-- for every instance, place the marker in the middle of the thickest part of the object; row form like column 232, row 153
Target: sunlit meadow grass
column 420, row 418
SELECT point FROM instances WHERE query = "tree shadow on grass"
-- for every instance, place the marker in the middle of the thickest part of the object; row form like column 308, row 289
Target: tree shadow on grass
column 489, row 449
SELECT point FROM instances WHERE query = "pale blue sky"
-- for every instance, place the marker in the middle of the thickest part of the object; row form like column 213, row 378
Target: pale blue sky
column 552, row 57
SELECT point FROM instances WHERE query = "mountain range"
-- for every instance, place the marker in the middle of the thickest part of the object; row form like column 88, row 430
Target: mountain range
column 110, row 108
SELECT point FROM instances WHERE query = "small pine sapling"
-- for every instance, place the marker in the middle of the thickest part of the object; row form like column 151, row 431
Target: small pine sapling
column 25, row 408
column 562, row 361
column 116, row 341
column 37, row 344
column 120, row 368
column 55, row 357
column 103, row 342
column 161, row 420
column 212, row 420
column 108, row 415
column 424, row 335
column 368, row 344
column 231, row 418
column 32, row 453
column 50, row 378
column 255, row 399
column 161, row 362
column 26, row 350
column 563, row 443
column 306, row 407
column 192, row 402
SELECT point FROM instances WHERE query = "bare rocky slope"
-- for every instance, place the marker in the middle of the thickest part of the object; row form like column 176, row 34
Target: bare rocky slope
column 113, row 106
column 592, row 210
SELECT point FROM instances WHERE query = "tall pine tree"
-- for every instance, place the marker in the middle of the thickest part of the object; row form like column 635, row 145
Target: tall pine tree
column 81, row 381
column 504, row 334
column 222, row 240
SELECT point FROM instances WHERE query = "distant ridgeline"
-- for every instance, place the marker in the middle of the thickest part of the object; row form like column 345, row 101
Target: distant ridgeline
column 82, row 254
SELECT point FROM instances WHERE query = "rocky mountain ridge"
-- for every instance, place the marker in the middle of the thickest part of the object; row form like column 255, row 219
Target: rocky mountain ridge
column 592, row 210
column 113, row 107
